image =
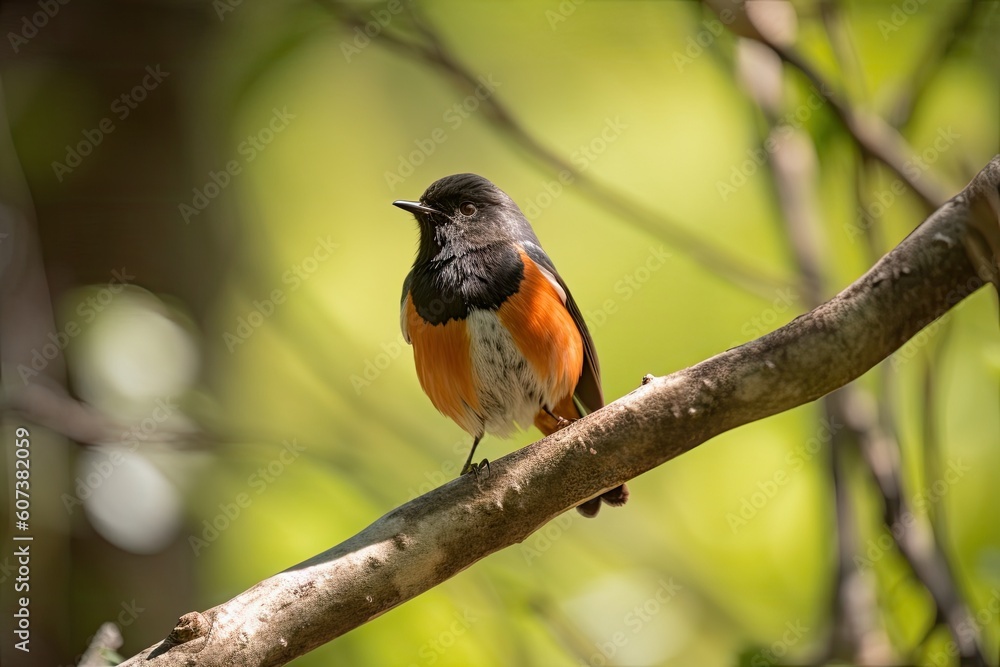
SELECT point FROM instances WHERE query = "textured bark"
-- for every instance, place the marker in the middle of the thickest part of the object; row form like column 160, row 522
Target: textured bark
column 430, row 539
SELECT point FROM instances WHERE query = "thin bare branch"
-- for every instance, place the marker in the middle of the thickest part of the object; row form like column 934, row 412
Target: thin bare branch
column 915, row 538
column 934, row 55
column 794, row 165
column 873, row 136
column 103, row 648
column 858, row 635
column 431, row 49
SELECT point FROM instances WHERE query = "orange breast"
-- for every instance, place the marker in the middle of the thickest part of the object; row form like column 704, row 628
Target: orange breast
column 546, row 334
column 444, row 367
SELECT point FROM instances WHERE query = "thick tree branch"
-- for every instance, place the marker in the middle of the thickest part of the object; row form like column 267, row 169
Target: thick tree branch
column 434, row 537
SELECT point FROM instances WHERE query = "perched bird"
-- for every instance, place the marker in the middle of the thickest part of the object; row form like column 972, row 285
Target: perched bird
column 497, row 338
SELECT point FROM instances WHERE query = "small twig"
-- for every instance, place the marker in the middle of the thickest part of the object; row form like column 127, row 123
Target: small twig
column 916, row 540
column 838, row 35
column 934, row 54
column 929, row 425
column 870, row 133
column 857, row 634
column 103, row 649
column 869, row 431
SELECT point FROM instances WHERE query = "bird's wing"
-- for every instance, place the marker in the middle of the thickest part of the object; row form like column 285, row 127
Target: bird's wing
column 402, row 305
column 588, row 390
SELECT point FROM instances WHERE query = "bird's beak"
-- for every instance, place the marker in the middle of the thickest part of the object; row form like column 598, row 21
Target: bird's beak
column 414, row 206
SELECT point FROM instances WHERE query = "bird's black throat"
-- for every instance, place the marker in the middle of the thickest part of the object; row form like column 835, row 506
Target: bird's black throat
column 449, row 285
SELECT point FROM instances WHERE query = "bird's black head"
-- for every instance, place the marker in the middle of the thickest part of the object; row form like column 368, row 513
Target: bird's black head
column 462, row 213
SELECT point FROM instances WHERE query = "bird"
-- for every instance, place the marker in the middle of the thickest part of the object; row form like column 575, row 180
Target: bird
column 498, row 341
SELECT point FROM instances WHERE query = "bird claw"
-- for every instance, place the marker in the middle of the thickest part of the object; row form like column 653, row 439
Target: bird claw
column 477, row 468
column 562, row 422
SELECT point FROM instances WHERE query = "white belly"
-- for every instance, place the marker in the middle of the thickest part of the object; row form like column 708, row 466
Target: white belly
column 510, row 392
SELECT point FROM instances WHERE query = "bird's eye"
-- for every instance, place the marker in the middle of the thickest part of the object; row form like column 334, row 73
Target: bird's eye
column 467, row 208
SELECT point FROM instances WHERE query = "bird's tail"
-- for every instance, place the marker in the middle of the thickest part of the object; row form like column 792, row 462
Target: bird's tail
column 567, row 409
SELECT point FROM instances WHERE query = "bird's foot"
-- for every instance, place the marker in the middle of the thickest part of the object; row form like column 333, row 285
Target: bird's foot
column 477, row 468
column 561, row 422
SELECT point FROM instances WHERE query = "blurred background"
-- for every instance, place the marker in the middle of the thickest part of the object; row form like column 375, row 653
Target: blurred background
column 200, row 283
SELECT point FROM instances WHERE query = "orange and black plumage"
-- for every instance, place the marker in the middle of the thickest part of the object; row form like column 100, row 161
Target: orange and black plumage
column 498, row 340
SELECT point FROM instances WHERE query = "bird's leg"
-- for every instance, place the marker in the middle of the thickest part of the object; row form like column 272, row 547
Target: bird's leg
column 474, row 468
column 561, row 422
column 478, row 468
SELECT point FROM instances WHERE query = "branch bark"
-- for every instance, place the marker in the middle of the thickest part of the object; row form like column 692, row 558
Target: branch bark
column 434, row 537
